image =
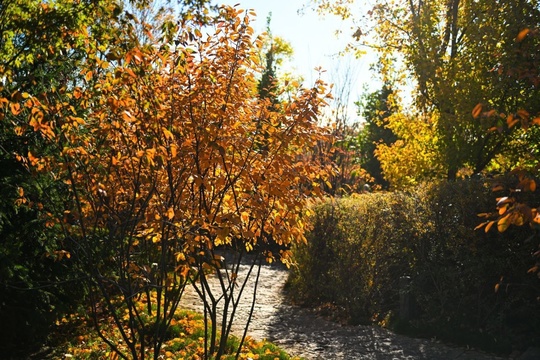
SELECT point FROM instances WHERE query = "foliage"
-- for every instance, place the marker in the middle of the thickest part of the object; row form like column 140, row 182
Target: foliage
column 184, row 339
column 158, row 148
column 39, row 52
column 375, row 108
column 360, row 246
column 35, row 289
column 414, row 156
column 517, row 198
column 354, row 260
column 457, row 54
column 275, row 51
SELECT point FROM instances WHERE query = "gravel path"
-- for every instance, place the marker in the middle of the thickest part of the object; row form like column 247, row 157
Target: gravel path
column 301, row 332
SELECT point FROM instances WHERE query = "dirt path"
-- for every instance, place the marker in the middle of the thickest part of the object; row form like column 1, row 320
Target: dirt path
column 300, row 332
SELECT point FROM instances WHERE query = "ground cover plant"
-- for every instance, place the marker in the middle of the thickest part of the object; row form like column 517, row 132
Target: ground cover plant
column 184, row 339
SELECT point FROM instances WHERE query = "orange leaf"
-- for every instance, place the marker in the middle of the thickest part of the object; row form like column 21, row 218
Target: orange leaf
column 511, row 122
column 170, row 213
column 524, row 114
column 477, row 110
column 536, row 121
column 497, row 188
column 489, row 225
column 522, row 35
column 77, row 93
column 479, row 226
column 15, row 108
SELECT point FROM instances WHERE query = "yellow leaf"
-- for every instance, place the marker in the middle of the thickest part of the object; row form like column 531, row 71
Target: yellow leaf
column 167, row 134
column 503, row 223
column 88, row 75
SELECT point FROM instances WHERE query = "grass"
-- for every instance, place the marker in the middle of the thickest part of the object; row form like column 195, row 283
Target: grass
column 76, row 338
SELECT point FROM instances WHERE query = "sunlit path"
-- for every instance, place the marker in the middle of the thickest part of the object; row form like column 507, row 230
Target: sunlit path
column 301, row 332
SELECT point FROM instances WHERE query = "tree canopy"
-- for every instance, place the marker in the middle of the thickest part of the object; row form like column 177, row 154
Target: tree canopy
column 457, row 54
column 164, row 151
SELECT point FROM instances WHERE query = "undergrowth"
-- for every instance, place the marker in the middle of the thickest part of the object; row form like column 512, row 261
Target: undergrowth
column 76, row 338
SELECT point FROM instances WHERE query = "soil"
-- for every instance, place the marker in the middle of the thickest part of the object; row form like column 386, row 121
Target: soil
column 303, row 332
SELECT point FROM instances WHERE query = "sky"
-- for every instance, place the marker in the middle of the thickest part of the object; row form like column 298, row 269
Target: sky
column 314, row 42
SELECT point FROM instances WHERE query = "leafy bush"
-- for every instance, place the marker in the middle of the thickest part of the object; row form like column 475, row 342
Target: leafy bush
column 357, row 251
column 35, row 289
column 359, row 248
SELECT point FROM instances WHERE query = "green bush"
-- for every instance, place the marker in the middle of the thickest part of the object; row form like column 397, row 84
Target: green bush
column 356, row 253
column 359, row 248
column 35, row 290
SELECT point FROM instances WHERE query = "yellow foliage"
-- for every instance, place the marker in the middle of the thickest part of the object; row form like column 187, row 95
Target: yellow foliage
column 414, row 156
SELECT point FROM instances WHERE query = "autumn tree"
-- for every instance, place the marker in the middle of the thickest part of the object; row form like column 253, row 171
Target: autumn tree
column 454, row 52
column 167, row 184
column 516, row 196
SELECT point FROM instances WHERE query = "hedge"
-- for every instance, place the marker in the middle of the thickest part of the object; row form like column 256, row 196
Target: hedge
column 360, row 247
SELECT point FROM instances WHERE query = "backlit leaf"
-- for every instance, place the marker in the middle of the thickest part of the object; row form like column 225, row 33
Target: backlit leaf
column 489, row 225
column 503, row 223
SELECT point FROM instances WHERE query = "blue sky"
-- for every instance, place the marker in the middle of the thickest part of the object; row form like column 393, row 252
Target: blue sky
column 313, row 40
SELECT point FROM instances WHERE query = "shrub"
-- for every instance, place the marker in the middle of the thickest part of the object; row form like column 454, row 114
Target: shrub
column 356, row 253
column 359, row 247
